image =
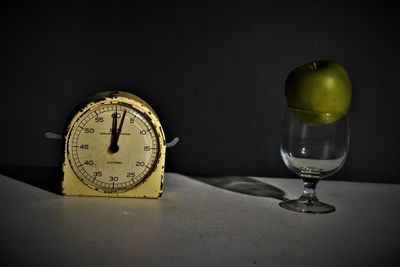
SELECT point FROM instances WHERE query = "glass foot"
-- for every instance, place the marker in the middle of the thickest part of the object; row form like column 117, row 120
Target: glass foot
column 306, row 206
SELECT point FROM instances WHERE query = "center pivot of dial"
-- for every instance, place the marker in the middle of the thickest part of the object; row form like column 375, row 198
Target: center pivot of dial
column 114, row 148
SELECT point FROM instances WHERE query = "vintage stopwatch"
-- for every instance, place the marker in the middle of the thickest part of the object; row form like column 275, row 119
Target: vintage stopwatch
column 114, row 147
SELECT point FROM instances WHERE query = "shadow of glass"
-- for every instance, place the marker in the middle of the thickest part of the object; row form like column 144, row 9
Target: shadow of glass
column 244, row 185
column 43, row 177
column 49, row 179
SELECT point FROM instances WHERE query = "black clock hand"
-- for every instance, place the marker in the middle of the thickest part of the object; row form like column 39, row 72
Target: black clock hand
column 114, row 146
column 116, row 133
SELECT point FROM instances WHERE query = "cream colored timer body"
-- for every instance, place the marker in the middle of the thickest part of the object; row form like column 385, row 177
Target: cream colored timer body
column 114, row 147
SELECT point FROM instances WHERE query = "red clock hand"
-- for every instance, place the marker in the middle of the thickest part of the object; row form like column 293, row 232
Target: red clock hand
column 120, row 127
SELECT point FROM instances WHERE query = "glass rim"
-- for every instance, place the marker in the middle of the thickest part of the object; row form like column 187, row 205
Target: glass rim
column 327, row 114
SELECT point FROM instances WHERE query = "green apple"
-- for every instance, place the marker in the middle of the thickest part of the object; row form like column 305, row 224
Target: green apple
column 318, row 92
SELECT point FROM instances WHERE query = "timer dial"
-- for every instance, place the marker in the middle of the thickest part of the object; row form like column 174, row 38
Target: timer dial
column 97, row 163
column 115, row 146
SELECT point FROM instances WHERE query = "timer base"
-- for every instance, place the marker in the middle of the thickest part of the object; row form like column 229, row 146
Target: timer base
column 152, row 187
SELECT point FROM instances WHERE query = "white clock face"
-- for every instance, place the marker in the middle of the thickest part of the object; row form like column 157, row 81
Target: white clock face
column 113, row 147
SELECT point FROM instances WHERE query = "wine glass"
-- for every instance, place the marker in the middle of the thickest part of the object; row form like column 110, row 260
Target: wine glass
column 313, row 151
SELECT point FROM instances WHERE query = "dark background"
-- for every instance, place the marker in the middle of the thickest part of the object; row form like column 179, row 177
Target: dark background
column 214, row 73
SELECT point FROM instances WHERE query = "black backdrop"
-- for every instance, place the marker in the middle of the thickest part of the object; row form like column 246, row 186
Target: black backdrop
column 213, row 72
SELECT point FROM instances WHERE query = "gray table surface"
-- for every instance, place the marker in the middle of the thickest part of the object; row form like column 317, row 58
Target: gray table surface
column 201, row 222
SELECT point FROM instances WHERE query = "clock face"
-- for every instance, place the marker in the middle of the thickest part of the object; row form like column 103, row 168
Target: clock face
column 113, row 147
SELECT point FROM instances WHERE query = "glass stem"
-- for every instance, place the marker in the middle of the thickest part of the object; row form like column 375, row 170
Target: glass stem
column 309, row 196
